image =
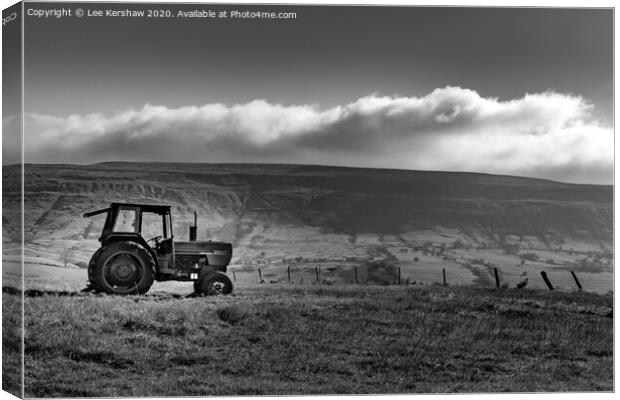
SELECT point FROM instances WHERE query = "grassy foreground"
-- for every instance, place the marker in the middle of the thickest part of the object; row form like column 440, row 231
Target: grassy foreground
column 281, row 339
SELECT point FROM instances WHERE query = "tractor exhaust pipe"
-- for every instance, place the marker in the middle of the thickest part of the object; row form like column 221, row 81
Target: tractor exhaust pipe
column 193, row 229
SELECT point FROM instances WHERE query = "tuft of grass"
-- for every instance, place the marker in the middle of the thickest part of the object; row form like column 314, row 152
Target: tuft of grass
column 12, row 334
column 340, row 339
column 232, row 314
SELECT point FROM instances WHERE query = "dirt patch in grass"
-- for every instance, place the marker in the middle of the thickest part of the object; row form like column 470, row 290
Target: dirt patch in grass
column 232, row 314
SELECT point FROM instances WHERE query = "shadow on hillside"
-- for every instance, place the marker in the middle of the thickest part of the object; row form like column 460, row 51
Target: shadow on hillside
column 39, row 293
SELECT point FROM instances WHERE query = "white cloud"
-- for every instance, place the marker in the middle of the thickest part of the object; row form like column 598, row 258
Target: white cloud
column 550, row 135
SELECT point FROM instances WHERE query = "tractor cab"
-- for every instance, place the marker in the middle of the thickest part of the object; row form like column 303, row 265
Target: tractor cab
column 149, row 225
column 137, row 247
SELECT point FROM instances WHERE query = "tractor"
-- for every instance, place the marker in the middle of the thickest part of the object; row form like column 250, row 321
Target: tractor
column 127, row 263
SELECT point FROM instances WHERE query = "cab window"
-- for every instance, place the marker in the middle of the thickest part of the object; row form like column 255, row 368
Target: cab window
column 151, row 225
column 127, row 220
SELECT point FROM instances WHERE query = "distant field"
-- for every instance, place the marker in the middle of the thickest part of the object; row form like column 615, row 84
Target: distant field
column 462, row 268
column 284, row 339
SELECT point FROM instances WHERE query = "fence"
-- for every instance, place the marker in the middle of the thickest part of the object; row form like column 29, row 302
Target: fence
column 558, row 279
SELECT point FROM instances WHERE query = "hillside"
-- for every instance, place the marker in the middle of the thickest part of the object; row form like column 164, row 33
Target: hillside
column 279, row 213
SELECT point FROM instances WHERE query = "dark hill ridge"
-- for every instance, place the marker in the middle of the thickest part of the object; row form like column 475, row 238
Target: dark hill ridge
column 242, row 202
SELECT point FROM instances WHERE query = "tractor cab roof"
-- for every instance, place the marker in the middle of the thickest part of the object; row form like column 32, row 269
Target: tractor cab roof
column 152, row 208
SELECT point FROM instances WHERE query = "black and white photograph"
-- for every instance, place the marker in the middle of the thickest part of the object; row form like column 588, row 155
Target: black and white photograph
column 286, row 199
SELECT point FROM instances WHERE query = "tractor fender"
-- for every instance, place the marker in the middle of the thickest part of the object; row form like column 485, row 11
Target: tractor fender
column 92, row 263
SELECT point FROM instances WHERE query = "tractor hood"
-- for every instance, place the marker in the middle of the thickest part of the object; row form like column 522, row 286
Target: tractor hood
column 217, row 253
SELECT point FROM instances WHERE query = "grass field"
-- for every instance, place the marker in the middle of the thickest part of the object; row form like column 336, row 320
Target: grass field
column 312, row 339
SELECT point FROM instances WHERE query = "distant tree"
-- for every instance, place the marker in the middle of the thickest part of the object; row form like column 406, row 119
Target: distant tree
column 529, row 256
column 66, row 256
column 458, row 244
column 510, row 248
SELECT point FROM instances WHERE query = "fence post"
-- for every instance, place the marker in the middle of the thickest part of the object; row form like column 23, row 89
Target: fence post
column 576, row 280
column 316, row 269
column 288, row 269
column 355, row 269
column 234, row 277
column 444, row 277
column 544, row 276
column 496, row 278
column 260, row 275
column 399, row 275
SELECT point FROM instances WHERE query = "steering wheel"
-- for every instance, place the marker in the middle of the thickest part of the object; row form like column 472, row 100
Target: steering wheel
column 156, row 239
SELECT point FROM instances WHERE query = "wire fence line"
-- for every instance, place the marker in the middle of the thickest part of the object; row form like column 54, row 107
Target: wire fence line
column 359, row 275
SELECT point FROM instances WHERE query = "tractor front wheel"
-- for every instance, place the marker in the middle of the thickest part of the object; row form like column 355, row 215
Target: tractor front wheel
column 123, row 268
column 212, row 284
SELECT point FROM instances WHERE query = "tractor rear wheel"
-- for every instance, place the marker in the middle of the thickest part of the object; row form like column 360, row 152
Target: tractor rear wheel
column 213, row 284
column 123, row 268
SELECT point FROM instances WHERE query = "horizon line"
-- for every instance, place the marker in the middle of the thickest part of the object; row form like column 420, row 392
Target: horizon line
column 315, row 165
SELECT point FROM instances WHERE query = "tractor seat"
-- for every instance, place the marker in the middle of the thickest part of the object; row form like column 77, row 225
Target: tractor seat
column 165, row 246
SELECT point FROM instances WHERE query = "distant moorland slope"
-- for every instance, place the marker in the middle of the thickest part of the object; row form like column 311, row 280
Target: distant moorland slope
column 275, row 213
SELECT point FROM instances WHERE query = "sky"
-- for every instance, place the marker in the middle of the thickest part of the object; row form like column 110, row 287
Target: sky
column 517, row 91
